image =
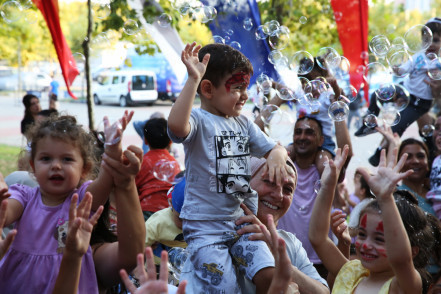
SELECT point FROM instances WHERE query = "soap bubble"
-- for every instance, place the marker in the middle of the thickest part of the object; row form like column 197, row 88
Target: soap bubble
column 338, row 111
column 248, row 24
column 236, row 45
column 271, row 27
column 418, row 37
column 165, row 170
column 302, row 62
column 260, row 33
column 286, row 94
column 218, row 39
column 386, row 91
column 398, row 61
column 264, row 83
column 350, row 93
column 379, row 45
column 164, row 20
column 274, row 56
column 31, row 16
column 130, row 27
column 328, row 58
column 391, row 28
column 338, row 16
column 280, row 39
column 204, row 14
column 101, row 10
column 109, row 131
column 270, row 112
column 400, row 100
column 427, row 130
column 434, row 71
column 389, row 115
column 364, row 55
column 370, row 121
column 11, row 11
column 316, row 88
column 303, row 19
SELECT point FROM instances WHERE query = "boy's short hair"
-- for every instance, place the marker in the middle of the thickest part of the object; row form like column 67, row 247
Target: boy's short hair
column 155, row 133
column 176, row 194
column 224, row 60
column 434, row 24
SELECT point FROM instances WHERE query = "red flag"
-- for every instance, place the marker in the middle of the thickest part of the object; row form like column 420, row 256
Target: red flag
column 49, row 9
column 352, row 26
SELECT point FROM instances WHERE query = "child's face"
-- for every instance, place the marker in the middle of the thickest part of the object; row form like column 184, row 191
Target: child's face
column 436, row 44
column 370, row 245
column 230, row 97
column 58, row 167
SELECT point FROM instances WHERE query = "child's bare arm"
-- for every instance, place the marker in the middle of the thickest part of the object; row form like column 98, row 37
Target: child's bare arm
column 4, row 244
column 102, row 186
column 340, row 229
column 276, row 165
column 398, row 248
column 319, row 224
column 178, row 120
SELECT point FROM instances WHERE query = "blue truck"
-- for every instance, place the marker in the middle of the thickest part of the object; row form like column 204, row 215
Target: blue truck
column 168, row 85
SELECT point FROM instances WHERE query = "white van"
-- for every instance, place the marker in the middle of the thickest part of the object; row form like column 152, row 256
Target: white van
column 126, row 87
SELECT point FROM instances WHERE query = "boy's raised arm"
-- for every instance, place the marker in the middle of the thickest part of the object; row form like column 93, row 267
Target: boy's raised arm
column 181, row 109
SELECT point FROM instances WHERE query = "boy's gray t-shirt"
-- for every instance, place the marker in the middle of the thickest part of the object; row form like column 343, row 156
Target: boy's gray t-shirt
column 217, row 165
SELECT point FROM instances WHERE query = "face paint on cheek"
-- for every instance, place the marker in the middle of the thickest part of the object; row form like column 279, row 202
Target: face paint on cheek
column 357, row 245
column 380, row 227
column 363, row 221
column 365, row 247
column 238, row 78
column 382, row 252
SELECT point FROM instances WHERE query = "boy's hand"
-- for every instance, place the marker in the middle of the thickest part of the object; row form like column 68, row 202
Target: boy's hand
column 276, row 166
column 189, row 57
column 80, row 226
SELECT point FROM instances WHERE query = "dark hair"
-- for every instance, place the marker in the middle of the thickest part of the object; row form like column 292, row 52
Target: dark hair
column 155, row 133
column 64, row 128
column 224, row 60
column 311, row 118
column 419, row 229
column 27, row 104
column 364, row 185
column 412, row 141
column 48, row 112
column 434, row 24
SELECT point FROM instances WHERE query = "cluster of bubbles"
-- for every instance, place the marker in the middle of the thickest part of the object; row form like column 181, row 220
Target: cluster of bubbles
column 176, row 260
column 14, row 11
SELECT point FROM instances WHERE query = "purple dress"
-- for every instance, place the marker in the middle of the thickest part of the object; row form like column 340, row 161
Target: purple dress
column 32, row 263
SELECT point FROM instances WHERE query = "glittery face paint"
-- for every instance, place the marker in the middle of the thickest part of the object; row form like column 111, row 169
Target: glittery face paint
column 363, row 221
column 380, row 227
column 237, row 78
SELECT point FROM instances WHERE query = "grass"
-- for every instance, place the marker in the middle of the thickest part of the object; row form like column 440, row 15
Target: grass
column 8, row 159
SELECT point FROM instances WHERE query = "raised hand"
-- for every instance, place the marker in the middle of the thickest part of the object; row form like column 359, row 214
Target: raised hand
column 339, row 227
column 283, row 271
column 333, row 167
column 189, row 57
column 125, row 170
column 149, row 283
column 80, row 226
column 388, row 174
column 4, row 244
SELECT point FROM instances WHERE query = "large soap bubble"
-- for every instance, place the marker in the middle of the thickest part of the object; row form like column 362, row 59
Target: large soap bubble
column 400, row 100
column 379, row 45
column 11, row 11
column 338, row 111
column 418, row 37
column 328, row 58
column 302, row 62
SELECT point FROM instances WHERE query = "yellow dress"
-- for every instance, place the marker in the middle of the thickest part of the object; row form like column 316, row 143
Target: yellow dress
column 350, row 275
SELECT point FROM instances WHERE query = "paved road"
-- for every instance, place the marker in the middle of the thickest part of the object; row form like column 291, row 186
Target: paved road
column 11, row 110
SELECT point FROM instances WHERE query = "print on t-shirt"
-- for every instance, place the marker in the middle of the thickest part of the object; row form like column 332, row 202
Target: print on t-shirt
column 233, row 164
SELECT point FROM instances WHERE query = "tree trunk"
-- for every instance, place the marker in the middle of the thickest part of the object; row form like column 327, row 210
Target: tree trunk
column 90, row 102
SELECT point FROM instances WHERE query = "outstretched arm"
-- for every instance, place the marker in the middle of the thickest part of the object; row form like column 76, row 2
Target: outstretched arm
column 77, row 243
column 4, row 244
column 397, row 242
column 178, row 120
column 111, row 257
column 319, row 224
column 149, row 283
column 102, row 186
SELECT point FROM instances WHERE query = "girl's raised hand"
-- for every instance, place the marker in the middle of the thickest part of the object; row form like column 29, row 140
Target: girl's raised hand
column 148, row 281
column 388, row 174
column 4, row 244
column 189, row 57
column 333, row 168
column 80, row 226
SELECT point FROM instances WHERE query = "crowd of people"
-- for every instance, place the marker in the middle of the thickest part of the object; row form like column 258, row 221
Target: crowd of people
column 90, row 217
